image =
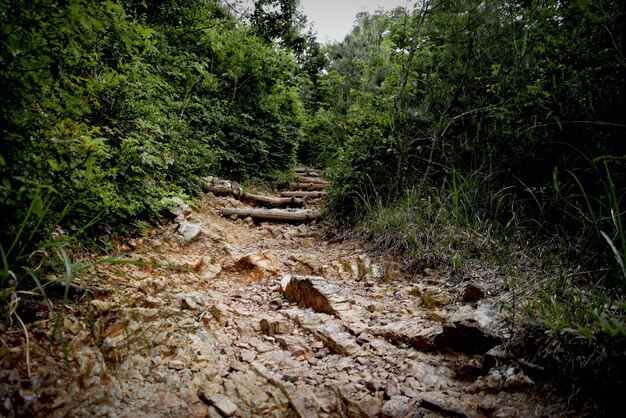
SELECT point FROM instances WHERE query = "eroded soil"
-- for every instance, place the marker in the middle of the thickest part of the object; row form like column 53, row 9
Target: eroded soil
column 237, row 318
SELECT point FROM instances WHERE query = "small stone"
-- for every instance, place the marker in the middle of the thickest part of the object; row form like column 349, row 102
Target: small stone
column 276, row 303
column 470, row 331
column 316, row 293
column 291, row 377
column 295, row 345
column 432, row 300
column 489, row 402
column 495, row 357
column 224, row 405
column 262, row 347
column 506, row 412
column 248, row 355
column 415, row 292
column 391, row 389
column 110, row 342
column 189, row 231
column 176, row 365
column 363, row 361
column 438, row 316
column 473, row 293
column 437, row 401
column 396, row 407
column 221, row 313
column 373, row 385
column 276, row 327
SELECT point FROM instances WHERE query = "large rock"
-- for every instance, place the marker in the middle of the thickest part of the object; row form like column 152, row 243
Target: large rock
column 442, row 403
column 473, row 293
column 470, row 331
column 225, row 406
column 316, row 293
column 273, row 326
column 258, row 265
column 366, row 407
column 189, row 230
column 396, row 407
column 404, row 332
column 336, row 340
column 297, row 346
column 326, row 330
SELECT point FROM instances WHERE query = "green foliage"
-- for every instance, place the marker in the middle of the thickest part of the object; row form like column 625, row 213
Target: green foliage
column 112, row 107
column 468, row 117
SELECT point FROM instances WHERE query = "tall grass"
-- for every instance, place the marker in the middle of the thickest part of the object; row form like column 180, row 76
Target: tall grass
column 560, row 252
column 446, row 225
column 39, row 265
column 33, row 249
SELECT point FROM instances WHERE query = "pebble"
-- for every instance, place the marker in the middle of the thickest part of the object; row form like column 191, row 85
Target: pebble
column 176, row 364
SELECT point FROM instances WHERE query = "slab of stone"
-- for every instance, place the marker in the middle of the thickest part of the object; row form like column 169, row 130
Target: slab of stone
column 297, row 346
column 224, row 405
column 274, row 326
column 336, row 340
column 316, row 293
column 470, row 331
column 176, row 365
column 495, row 357
column 299, row 404
column 247, row 355
column 221, row 313
column 366, row 407
column 189, row 230
column 412, row 333
column 396, row 407
column 473, row 293
column 440, row 402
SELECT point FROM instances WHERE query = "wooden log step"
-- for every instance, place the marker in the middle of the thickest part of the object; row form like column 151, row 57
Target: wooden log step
column 307, row 171
column 304, row 195
column 271, row 200
column 283, row 215
column 307, row 186
column 317, row 180
column 237, row 193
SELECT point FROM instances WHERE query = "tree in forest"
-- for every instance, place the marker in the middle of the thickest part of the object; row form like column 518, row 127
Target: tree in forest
column 279, row 20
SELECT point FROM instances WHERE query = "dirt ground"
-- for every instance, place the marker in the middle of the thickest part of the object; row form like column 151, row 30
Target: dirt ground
column 231, row 317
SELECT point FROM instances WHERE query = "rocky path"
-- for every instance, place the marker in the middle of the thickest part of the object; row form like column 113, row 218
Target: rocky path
column 228, row 317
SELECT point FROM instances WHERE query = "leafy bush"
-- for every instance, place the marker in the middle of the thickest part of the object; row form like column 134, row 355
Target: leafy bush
column 108, row 108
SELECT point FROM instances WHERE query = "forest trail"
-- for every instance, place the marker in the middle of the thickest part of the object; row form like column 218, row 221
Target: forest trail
column 260, row 319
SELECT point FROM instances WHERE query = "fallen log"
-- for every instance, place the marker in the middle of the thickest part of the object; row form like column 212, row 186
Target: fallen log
column 316, row 180
column 272, row 214
column 307, row 186
column 239, row 194
column 304, row 195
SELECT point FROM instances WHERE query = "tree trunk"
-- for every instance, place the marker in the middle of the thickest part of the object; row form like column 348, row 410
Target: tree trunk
column 401, row 143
